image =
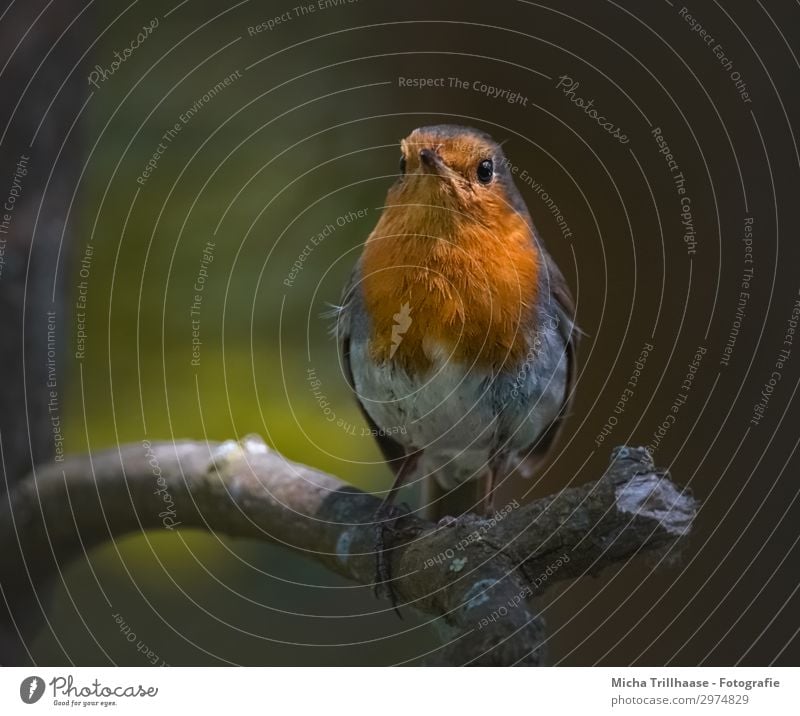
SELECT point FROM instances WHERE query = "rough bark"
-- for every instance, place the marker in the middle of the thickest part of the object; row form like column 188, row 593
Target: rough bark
column 480, row 575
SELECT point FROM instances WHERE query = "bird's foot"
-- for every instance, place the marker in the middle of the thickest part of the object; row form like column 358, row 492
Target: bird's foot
column 386, row 519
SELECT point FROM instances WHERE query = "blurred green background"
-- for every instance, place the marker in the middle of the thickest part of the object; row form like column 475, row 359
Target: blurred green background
column 306, row 133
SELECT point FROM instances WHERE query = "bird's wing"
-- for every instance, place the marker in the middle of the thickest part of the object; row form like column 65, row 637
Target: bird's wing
column 563, row 307
column 393, row 452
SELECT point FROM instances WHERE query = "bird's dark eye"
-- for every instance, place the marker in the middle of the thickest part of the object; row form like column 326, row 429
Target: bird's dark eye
column 485, row 171
column 402, row 164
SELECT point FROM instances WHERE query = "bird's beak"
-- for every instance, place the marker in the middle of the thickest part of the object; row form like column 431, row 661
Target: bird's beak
column 431, row 162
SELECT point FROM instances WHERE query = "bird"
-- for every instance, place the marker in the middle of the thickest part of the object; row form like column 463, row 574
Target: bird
column 456, row 330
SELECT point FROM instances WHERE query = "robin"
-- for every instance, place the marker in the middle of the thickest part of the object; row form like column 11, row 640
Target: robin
column 456, row 330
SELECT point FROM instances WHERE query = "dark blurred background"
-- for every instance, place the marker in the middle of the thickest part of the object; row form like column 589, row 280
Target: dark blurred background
column 306, row 131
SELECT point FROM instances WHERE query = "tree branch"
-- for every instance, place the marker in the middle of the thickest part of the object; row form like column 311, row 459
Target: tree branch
column 479, row 575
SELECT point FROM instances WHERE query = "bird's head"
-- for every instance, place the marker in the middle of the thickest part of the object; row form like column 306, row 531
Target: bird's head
column 452, row 175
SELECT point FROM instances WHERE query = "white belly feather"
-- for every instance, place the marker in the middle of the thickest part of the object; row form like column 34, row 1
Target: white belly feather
column 456, row 415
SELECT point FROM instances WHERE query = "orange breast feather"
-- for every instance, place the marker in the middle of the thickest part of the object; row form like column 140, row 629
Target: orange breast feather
column 455, row 286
